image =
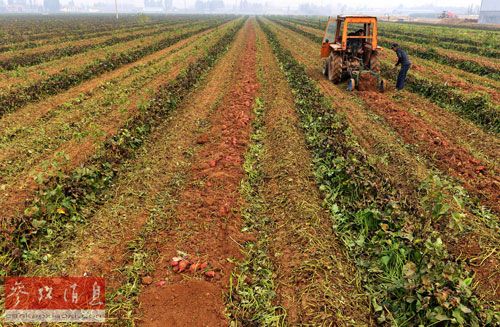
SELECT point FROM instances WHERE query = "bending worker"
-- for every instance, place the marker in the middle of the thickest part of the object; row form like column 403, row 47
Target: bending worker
column 405, row 65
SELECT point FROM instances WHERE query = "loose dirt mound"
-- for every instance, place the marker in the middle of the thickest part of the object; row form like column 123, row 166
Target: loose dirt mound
column 195, row 303
column 368, row 82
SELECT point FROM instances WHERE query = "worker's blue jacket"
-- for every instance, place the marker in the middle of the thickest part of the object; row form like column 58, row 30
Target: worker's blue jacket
column 402, row 57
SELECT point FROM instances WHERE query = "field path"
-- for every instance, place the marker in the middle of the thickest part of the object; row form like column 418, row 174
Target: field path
column 208, row 225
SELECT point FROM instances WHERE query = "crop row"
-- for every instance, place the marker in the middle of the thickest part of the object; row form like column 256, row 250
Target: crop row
column 422, row 115
column 245, row 303
column 440, row 56
column 24, row 60
column 429, row 39
column 64, row 80
column 87, row 32
column 403, row 263
column 256, row 302
column 56, row 39
column 406, row 32
column 292, row 27
column 61, row 197
column 479, row 39
column 477, row 108
column 463, row 36
column 31, row 29
column 469, row 30
column 85, row 35
column 89, row 113
column 474, row 78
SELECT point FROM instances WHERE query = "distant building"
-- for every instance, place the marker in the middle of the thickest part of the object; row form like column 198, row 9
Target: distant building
column 489, row 12
column 17, row 2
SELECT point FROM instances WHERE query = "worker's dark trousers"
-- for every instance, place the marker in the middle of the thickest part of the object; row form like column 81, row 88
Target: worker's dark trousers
column 400, row 84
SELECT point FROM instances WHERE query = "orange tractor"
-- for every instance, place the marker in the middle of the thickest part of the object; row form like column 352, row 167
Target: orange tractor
column 351, row 52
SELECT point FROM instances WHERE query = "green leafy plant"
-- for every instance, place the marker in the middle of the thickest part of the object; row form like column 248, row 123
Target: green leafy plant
column 252, row 289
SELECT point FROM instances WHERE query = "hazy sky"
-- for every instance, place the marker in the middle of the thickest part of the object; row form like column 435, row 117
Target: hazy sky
column 284, row 3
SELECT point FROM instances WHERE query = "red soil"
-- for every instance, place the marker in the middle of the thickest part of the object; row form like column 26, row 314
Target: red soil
column 485, row 265
column 367, row 82
column 447, row 156
column 208, row 214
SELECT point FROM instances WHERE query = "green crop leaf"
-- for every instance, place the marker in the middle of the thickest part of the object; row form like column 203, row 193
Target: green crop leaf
column 441, row 317
column 464, row 309
column 409, row 269
column 38, row 223
column 458, row 317
column 377, row 307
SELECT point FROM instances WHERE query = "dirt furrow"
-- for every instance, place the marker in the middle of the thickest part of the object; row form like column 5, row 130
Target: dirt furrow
column 208, row 225
column 386, row 148
column 11, row 123
column 482, row 145
column 50, row 52
column 28, row 75
column 15, row 98
column 86, row 116
column 149, row 187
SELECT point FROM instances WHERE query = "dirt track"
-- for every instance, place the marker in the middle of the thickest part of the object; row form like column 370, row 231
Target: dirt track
column 207, row 210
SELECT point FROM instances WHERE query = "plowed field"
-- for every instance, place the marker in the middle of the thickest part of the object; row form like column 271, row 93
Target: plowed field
column 210, row 173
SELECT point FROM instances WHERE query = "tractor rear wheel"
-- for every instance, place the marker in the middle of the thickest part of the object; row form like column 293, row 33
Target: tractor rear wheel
column 335, row 68
column 374, row 63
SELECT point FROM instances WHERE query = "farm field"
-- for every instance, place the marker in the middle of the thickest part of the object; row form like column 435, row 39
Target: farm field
column 205, row 167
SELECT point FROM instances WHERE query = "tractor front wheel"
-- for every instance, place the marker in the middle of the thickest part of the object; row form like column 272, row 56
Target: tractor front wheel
column 335, row 68
column 351, row 84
